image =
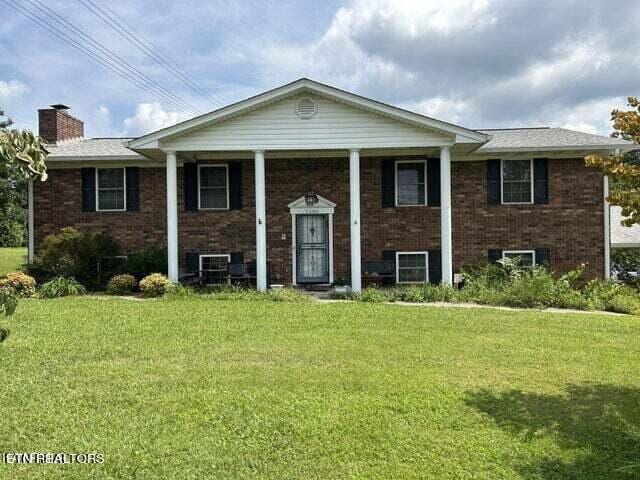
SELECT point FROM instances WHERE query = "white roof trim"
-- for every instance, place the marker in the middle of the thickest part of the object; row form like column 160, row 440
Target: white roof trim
column 624, row 147
column 301, row 203
column 151, row 140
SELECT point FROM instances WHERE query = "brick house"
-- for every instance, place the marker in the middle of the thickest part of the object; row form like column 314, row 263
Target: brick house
column 308, row 184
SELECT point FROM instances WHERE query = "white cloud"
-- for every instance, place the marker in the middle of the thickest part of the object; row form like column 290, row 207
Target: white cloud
column 11, row 90
column 150, row 117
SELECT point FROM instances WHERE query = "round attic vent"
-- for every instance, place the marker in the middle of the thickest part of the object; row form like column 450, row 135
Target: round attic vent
column 306, row 108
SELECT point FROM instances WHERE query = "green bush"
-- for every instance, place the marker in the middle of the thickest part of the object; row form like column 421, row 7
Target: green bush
column 61, row 287
column 440, row 293
column 371, row 295
column 123, row 284
column 154, row 285
column 177, row 290
column 8, row 300
column 23, row 285
column 624, row 303
column 288, row 295
column 71, row 253
column 532, row 289
column 146, row 262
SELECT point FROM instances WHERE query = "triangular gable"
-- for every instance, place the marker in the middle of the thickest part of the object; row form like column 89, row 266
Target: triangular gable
column 298, row 89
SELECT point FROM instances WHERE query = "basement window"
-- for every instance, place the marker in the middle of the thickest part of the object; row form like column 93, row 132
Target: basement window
column 526, row 258
column 111, row 189
column 213, row 187
column 214, row 268
column 412, row 267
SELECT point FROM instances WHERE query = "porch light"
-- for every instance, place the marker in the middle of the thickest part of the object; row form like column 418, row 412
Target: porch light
column 311, row 198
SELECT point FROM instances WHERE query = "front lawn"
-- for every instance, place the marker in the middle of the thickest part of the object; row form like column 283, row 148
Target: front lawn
column 198, row 388
column 12, row 259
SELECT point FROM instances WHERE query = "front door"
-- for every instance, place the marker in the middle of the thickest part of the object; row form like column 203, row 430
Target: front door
column 312, row 248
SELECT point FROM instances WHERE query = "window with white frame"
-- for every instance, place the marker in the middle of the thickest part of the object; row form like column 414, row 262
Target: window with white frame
column 214, row 268
column 412, row 267
column 411, row 182
column 213, row 187
column 111, row 189
column 517, row 181
column 525, row 258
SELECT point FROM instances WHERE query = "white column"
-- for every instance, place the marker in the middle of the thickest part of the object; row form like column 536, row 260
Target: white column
column 261, row 223
column 30, row 232
column 354, row 196
column 607, row 229
column 172, row 216
column 445, row 215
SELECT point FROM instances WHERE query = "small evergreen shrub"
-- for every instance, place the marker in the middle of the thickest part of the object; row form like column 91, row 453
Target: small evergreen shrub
column 61, row 287
column 146, row 262
column 123, row 284
column 154, row 285
column 8, row 301
column 372, row 295
column 24, row 285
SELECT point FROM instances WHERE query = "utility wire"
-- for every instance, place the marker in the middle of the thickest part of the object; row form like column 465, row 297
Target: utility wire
column 110, row 54
column 90, row 53
column 128, row 32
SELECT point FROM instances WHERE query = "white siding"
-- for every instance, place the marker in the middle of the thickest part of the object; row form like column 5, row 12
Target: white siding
column 334, row 126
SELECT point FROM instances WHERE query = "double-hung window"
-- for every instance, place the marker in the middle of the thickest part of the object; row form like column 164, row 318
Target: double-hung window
column 517, row 181
column 214, row 268
column 412, row 267
column 213, row 187
column 111, row 189
column 526, row 258
column 411, row 182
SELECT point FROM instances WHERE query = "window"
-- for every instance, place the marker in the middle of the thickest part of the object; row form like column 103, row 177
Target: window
column 411, row 185
column 411, row 267
column 110, row 189
column 213, row 192
column 517, row 181
column 214, row 268
column 526, row 258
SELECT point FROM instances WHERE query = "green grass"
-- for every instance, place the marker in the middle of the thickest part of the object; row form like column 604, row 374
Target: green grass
column 195, row 388
column 12, row 259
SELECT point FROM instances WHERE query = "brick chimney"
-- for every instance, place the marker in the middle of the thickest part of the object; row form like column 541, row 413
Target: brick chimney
column 56, row 125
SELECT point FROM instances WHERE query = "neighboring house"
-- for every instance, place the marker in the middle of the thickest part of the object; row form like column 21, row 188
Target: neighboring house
column 309, row 184
column 621, row 236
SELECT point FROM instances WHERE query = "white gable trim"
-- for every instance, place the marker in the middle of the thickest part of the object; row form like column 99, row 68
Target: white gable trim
column 154, row 139
column 300, row 206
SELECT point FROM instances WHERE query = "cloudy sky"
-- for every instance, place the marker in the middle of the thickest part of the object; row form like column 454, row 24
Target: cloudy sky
column 479, row 63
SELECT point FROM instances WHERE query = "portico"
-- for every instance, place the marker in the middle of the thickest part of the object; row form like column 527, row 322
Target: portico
column 310, row 120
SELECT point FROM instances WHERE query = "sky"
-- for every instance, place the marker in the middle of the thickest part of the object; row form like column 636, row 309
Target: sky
column 477, row 63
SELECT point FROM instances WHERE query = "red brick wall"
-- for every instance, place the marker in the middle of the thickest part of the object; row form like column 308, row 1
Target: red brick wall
column 56, row 125
column 571, row 225
column 58, row 203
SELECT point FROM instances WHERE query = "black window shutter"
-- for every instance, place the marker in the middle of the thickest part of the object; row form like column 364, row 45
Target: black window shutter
column 493, row 182
column 237, row 257
column 433, row 182
column 193, row 262
column 388, row 183
column 435, row 266
column 235, row 186
column 88, row 189
column 190, row 176
column 543, row 257
column 133, row 188
column 494, row 255
column 540, row 180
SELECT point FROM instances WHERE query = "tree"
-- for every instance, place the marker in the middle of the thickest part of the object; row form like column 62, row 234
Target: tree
column 623, row 170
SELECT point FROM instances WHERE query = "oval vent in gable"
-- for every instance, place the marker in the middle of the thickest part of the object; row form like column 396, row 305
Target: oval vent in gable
column 306, row 108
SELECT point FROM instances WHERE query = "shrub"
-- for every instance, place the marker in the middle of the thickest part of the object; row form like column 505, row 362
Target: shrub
column 154, row 285
column 624, row 303
column 83, row 256
column 121, row 284
column 533, row 289
column 61, row 287
column 24, row 285
column 288, row 295
column 410, row 294
column 8, row 300
column 177, row 290
column 371, row 295
column 146, row 262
